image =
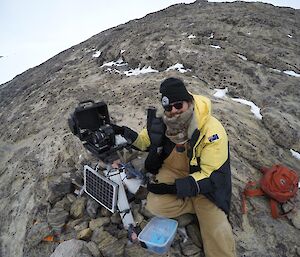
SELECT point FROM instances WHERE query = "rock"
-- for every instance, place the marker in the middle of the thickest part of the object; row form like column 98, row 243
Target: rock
column 64, row 204
column 190, row 249
column 99, row 222
column 81, row 226
column 135, row 250
column 73, row 223
column 116, row 218
column 93, row 248
column 98, row 235
column 71, row 198
column 113, row 249
column 193, row 232
column 108, row 245
column 37, row 232
column 84, row 234
column 57, row 218
column 284, row 128
column 71, row 248
column 58, row 187
column 295, row 218
column 92, row 208
column 78, row 208
column 104, row 212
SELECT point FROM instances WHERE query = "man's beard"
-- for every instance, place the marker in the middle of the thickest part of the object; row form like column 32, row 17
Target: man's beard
column 177, row 125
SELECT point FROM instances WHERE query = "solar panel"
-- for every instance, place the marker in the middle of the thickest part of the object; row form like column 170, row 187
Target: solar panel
column 103, row 190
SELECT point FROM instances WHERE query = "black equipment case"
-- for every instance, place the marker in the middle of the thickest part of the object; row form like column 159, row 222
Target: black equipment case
column 90, row 122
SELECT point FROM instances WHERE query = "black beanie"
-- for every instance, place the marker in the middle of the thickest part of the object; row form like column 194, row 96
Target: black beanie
column 173, row 90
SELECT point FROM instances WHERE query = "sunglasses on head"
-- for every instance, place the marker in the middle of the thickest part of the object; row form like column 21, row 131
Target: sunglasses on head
column 177, row 105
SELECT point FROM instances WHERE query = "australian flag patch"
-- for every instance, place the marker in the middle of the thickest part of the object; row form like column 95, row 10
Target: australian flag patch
column 213, row 138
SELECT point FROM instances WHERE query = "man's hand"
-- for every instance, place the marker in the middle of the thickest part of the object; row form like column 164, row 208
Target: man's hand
column 161, row 188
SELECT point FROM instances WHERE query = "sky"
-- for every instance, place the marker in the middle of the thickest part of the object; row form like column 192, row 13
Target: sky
column 32, row 31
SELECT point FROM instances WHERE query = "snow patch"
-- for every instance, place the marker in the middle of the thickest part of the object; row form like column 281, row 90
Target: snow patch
column 118, row 63
column 291, row 73
column 242, row 57
column 96, row 54
column 191, row 36
column 179, row 67
column 221, row 93
column 138, row 71
column 254, row 109
column 276, row 70
column 215, row 46
column 211, row 36
column 295, row 154
column 290, row 36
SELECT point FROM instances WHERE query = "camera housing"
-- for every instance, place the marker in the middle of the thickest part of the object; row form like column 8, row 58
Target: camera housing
column 90, row 122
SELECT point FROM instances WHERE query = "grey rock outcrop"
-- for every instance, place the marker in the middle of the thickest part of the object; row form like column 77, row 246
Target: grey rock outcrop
column 252, row 49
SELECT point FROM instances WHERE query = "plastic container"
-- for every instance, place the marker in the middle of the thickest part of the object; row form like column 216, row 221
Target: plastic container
column 158, row 234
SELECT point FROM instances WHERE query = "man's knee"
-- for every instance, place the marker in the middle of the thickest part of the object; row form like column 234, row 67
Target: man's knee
column 168, row 205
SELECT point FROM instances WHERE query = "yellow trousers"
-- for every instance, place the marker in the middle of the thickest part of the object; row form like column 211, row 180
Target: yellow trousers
column 215, row 229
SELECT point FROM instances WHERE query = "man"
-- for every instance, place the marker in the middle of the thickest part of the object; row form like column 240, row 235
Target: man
column 189, row 153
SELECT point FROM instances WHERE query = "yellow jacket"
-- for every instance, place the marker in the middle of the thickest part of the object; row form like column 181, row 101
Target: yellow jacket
column 208, row 156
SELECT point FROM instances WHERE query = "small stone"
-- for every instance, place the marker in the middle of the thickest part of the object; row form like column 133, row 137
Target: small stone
column 98, row 235
column 85, row 234
column 93, row 248
column 111, row 246
column 57, row 218
column 78, row 207
column 71, row 198
column 115, row 218
column 58, row 187
column 73, row 223
column 99, row 222
column 92, row 208
column 81, row 226
column 64, row 204
column 105, row 213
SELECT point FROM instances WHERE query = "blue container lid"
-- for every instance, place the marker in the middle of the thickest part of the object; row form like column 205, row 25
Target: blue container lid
column 158, row 232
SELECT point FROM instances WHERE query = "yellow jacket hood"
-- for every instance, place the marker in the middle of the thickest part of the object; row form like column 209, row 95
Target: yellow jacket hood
column 202, row 109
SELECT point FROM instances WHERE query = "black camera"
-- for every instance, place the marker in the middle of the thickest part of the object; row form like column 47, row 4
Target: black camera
column 90, row 122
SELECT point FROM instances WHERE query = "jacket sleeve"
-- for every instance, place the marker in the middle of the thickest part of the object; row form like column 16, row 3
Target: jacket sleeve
column 214, row 160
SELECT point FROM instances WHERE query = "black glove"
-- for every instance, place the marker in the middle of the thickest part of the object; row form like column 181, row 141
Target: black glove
column 187, row 187
column 161, row 188
column 117, row 129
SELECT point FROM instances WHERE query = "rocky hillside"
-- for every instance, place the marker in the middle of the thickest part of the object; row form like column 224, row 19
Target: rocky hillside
column 250, row 49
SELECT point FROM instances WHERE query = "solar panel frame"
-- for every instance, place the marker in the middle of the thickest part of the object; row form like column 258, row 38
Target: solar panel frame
column 101, row 189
